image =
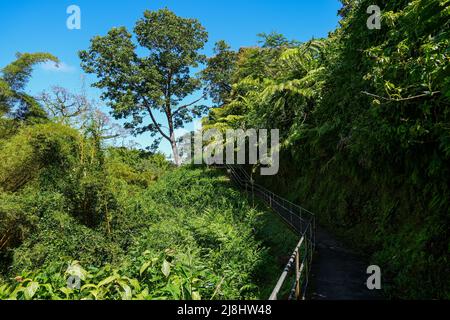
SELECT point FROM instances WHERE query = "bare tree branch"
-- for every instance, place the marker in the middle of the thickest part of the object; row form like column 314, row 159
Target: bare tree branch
column 189, row 105
column 156, row 124
column 430, row 94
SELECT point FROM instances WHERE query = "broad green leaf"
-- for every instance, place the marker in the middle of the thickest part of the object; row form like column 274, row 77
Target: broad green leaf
column 196, row 296
column 107, row 280
column 30, row 290
column 144, row 267
column 134, row 283
column 88, row 286
column 166, row 268
column 127, row 294
column 66, row 291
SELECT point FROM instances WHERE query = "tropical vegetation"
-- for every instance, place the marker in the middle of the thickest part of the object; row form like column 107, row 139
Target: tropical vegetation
column 364, row 117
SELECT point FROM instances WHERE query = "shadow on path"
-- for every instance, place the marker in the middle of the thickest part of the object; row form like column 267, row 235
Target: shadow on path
column 338, row 273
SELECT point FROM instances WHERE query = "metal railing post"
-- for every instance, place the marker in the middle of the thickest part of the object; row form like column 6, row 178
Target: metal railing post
column 297, row 275
column 253, row 193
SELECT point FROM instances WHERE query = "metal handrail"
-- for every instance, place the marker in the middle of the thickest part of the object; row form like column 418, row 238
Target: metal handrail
column 287, row 269
column 270, row 192
column 305, row 226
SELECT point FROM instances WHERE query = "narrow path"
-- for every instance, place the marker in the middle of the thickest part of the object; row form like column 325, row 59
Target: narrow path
column 338, row 273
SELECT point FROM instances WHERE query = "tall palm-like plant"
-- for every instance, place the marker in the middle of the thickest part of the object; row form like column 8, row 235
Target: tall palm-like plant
column 13, row 79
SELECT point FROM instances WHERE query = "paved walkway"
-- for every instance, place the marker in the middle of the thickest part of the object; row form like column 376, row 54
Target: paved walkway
column 338, row 273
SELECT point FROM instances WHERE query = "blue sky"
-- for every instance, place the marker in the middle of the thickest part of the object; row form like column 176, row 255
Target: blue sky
column 40, row 26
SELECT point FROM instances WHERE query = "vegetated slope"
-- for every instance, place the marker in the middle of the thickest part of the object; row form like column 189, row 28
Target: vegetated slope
column 129, row 225
column 364, row 122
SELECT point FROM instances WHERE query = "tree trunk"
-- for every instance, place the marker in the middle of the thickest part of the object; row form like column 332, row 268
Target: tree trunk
column 175, row 152
column 173, row 139
column 173, row 143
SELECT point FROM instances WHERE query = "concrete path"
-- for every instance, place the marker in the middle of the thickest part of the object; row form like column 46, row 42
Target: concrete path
column 338, row 273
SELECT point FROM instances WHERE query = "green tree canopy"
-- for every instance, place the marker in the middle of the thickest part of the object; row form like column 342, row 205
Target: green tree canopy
column 276, row 40
column 136, row 87
column 13, row 79
column 219, row 71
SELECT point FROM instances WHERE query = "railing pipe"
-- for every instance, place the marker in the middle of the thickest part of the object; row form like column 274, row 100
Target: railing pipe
column 306, row 227
column 288, row 267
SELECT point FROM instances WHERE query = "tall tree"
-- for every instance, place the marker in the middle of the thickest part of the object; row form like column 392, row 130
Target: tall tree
column 219, row 72
column 276, row 40
column 139, row 86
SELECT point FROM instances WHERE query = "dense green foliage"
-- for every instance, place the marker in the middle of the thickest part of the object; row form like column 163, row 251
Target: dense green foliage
column 127, row 223
column 188, row 236
column 364, row 118
column 124, row 221
column 365, row 128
